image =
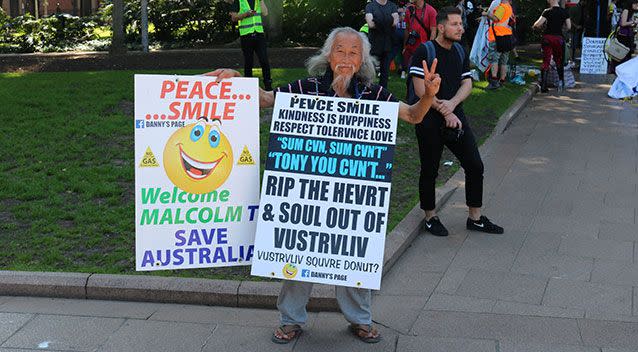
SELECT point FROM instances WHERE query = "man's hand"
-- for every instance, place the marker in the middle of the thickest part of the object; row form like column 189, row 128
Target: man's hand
column 266, row 98
column 223, row 73
column 445, row 107
column 431, row 79
column 452, row 121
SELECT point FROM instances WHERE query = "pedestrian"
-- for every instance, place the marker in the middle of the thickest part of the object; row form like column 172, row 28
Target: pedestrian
column 576, row 19
column 248, row 14
column 460, row 4
column 498, row 57
column 613, row 14
column 344, row 68
column 420, row 19
column 472, row 14
column 554, row 19
column 397, row 41
column 446, row 125
column 626, row 28
column 382, row 17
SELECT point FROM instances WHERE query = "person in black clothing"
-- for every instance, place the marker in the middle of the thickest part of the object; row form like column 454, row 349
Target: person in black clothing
column 554, row 19
column 254, row 42
column 382, row 17
column 445, row 117
column 626, row 26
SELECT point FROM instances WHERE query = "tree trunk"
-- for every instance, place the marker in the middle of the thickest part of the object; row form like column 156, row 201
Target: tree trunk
column 144, row 26
column 274, row 21
column 352, row 11
column 118, row 47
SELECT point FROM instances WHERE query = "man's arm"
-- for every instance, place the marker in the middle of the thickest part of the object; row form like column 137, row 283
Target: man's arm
column 429, row 86
column 395, row 19
column 540, row 22
column 624, row 19
column 432, row 19
column 264, row 9
column 370, row 20
column 451, row 120
column 236, row 17
column 266, row 98
column 406, row 34
column 568, row 24
column 408, row 27
column 446, row 107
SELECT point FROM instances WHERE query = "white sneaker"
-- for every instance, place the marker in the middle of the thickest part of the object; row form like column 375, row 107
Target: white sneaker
column 403, row 75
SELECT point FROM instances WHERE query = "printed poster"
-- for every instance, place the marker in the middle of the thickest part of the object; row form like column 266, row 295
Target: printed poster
column 196, row 171
column 326, row 191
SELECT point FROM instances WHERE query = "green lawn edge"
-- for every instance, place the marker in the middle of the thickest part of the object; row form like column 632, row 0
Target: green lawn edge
column 66, row 198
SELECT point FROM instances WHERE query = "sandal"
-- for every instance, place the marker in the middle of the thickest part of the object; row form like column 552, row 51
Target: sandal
column 286, row 333
column 365, row 332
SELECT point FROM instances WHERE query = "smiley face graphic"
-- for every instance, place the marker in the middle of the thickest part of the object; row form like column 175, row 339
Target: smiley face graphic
column 198, row 157
column 289, row 271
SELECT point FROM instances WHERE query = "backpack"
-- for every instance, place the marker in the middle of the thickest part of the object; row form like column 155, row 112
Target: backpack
column 430, row 55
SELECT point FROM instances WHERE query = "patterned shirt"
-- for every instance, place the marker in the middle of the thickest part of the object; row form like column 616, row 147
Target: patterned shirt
column 322, row 86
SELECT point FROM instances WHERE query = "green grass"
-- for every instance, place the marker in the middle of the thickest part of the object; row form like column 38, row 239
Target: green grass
column 67, row 166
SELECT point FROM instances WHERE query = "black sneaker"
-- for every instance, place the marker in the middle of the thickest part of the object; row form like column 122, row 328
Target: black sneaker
column 483, row 224
column 435, row 227
column 493, row 84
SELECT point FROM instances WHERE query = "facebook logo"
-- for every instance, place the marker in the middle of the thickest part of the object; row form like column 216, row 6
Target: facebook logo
column 305, row 273
column 139, row 123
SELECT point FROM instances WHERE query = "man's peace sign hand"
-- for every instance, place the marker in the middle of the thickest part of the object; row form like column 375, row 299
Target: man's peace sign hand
column 431, row 79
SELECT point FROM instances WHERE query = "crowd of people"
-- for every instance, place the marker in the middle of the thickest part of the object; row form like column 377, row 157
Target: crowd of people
column 430, row 47
column 396, row 30
column 408, row 24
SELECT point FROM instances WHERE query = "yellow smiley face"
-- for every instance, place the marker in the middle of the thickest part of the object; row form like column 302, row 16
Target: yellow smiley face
column 198, row 157
column 289, row 271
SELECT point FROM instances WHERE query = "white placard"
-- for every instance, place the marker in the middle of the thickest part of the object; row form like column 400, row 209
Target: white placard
column 593, row 56
column 326, row 191
column 196, row 171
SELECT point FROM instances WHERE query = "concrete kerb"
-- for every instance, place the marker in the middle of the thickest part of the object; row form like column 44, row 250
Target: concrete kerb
column 512, row 112
column 254, row 294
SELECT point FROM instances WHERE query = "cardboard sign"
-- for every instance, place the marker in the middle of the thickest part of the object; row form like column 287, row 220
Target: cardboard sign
column 326, row 191
column 197, row 171
column 593, row 56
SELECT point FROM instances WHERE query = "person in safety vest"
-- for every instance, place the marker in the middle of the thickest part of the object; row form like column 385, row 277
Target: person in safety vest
column 248, row 14
column 499, row 27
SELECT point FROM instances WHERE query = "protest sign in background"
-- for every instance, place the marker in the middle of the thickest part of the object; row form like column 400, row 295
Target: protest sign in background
column 326, row 191
column 196, row 171
column 593, row 56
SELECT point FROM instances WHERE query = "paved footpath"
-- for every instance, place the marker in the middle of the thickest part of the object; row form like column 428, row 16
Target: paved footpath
column 563, row 278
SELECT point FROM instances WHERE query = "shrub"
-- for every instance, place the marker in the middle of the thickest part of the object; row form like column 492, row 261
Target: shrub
column 54, row 33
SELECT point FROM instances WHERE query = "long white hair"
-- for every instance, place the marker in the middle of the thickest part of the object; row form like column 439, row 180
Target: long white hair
column 319, row 64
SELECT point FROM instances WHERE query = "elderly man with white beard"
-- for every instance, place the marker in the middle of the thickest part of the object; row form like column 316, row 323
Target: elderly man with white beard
column 343, row 68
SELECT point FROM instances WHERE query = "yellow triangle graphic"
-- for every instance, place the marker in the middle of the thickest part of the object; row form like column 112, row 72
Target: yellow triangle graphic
column 245, row 158
column 148, row 160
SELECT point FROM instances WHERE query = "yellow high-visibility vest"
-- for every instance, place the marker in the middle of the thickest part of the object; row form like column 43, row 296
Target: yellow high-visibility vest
column 250, row 24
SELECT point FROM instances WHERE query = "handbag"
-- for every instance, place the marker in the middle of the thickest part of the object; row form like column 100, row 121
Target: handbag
column 614, row 48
